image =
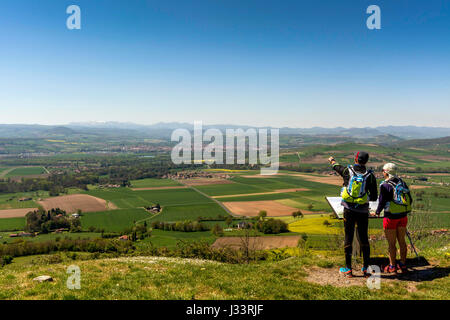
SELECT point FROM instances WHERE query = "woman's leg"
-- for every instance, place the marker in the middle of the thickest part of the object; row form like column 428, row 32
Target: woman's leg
column 391, row 236
column 401, row 232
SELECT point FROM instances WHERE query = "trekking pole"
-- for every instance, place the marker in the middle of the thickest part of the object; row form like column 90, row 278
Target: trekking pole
column 412, row 244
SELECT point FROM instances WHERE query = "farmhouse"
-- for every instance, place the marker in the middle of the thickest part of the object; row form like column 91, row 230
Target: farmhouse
column 154, row 209
column 25, row 234
column 243, row 225
column 22, row 234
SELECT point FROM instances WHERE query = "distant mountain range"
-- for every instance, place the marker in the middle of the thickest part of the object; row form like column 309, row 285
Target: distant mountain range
column 164, row 130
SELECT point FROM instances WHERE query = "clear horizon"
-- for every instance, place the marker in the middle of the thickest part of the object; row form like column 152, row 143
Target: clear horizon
column 297, row 64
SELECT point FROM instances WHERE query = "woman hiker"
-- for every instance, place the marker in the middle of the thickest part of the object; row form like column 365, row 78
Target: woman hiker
column 395, row 199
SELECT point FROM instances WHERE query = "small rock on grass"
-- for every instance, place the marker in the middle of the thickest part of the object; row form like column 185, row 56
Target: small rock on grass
column 43, row 279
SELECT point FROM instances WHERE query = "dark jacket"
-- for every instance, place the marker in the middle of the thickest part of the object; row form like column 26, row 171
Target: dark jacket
column 372, row 187
column 387, row 195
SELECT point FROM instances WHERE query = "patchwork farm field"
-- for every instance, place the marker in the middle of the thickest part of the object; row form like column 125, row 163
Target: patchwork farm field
column 153, row 183
column 12, row 224
column 122, row 208
column 26, row 171
column 15, row 200
column 173, row 213
column 114, row 220
column 315, row 156
column 127, row 198
column 15, row 213
column 252, row 208
column 73, row 203
column 169, row 239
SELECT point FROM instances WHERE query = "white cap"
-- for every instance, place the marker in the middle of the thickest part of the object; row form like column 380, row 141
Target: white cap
column 390, row 168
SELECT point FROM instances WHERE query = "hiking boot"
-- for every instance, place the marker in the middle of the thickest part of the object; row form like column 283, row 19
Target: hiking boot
column 390, row 269
column 347, row 272
column 401, row 266
column 366, row 273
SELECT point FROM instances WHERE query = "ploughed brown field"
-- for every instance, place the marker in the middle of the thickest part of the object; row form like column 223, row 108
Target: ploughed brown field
column 433, row 158
column 416, row 187
column 15, row 213
column 252, row 208
column 258, row 243
column 73, row 203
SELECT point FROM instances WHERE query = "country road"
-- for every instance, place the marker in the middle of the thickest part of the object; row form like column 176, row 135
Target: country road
column 4, row 173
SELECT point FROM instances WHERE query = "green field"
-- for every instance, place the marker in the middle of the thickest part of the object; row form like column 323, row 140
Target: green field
column 114, row 220
column 160, row 278
column 169, row 239
column 51, row 236
column 11, row 200
column 126, row 198
column 403, row 156
column 260, row 197
column 12, row 224
column 153, row 183
column 245, row 185
column 26, row 171
column 189, row 212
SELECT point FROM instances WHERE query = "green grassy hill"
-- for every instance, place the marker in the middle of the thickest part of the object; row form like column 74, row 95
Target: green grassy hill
column 298, row 278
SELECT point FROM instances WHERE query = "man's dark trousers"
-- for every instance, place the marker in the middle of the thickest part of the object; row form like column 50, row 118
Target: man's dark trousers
column 362, row 222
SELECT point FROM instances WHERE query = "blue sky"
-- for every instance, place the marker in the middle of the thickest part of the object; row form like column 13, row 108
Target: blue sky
column 267, row 62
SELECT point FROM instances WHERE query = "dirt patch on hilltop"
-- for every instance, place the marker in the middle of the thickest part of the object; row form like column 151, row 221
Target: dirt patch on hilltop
column 15, row 213
column 252, row 208
column 258, row 243
column 75, row 202
column 414, row 276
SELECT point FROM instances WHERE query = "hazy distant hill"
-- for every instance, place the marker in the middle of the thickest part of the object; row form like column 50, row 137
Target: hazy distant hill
column 404, row 132
column 441, row 143
column 388, row 134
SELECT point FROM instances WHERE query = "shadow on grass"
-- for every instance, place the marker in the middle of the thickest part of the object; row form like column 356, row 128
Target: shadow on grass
column 419, row 269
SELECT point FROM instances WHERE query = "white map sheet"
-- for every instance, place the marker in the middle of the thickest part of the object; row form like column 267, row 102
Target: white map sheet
column 338, row 209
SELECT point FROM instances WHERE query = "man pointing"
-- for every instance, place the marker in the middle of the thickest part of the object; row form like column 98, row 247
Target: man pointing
column 359, row 187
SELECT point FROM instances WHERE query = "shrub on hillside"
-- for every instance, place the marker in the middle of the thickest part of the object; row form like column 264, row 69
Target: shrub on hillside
column 5, row 260
column 45, row 221
column 217, row 230
column 26, row 248
column 272, row 226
